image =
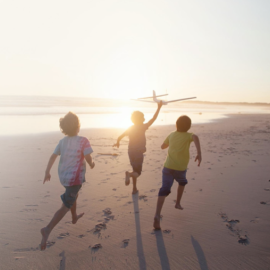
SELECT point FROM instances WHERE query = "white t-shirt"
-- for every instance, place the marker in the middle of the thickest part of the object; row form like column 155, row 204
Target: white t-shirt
column 71, row 168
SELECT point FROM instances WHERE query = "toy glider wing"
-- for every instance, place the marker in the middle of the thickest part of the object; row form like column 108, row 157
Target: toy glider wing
column 169, row 101
column 144, row 100
column 151, row 97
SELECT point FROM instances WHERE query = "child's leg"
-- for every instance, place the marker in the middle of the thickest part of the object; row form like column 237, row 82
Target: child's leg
column 74, row 215
column 136, row 161
column 165, row 190
column 134, row 176
column 45, row 232
column 180, row 177
column 160, row 203
column 180, row 191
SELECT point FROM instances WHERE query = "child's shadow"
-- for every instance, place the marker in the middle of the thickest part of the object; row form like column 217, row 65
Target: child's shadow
column 200, row 254
column 63, row 261
column 140, row 252
column 165, row 265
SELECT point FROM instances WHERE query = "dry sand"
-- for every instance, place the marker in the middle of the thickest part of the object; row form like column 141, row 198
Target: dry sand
column 233, row 180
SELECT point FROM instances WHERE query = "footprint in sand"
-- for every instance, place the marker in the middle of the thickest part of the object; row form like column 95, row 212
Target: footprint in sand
column 243, row 239
column 63, row 235
column 81, row 235
column 107, row 211
column 255, row 220
column 267, row 189
column 125, row 243
column 230, row 223
column 18, row 258
column 166, row 231
column 262, row 202
column 152, row 190
column 143, row 197
column 96, row 246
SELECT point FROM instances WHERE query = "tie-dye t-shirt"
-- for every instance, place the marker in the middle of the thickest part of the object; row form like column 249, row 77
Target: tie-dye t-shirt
column 71, row 168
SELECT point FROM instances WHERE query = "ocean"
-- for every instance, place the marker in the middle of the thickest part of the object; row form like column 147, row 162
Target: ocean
column 35, row 114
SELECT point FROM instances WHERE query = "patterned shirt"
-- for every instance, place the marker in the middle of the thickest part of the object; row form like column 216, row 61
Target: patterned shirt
column 71, row 168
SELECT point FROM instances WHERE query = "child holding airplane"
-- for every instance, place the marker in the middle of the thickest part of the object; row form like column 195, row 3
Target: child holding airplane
column 175, row 166
column 137, row 144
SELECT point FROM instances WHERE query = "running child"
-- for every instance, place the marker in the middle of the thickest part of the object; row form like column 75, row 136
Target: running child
column 137, row 144
column 73, row 150
column 175, row 166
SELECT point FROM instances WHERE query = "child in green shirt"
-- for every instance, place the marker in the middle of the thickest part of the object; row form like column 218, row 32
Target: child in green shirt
column 175, row 166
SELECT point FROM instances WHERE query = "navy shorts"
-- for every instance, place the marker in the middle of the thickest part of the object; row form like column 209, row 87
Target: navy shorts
column 136, row 161
column 70, row 195
column 168, row 175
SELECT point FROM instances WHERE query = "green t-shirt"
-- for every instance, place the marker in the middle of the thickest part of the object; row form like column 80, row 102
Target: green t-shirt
column 178, row 153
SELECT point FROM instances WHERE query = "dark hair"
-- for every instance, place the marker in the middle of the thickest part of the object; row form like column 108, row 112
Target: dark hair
column 69, row 124
column 183, row 123
column 137, row 117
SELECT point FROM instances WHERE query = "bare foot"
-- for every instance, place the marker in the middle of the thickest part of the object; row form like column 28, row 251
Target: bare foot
column 135, row 191
column 74, row 220
column 156, row 223
column 178, row 206
column 45, row 234
column 127, row 181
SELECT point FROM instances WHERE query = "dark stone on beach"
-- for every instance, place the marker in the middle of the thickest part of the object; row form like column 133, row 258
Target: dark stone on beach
column 262, row 202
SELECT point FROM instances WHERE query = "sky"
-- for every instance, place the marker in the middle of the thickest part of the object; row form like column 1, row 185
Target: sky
column 215, row 50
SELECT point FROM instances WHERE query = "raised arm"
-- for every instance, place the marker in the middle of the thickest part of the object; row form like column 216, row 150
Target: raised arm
column 198, row 147
column 117, row 144
column 48, row 169
column 89, row 160
column 150, row 122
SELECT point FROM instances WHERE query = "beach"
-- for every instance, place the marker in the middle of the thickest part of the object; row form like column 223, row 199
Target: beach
column 225, row 223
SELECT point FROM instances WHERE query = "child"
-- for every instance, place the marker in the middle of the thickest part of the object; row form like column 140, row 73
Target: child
column 175, row 166
column 73, row 150
column 137, row 143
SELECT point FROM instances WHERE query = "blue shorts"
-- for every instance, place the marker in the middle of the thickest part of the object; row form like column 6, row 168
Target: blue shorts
column 136, row 160
column 168, row 175
column 70, row 195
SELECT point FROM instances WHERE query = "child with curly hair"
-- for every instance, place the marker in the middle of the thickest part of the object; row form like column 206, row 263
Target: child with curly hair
column 73, row 150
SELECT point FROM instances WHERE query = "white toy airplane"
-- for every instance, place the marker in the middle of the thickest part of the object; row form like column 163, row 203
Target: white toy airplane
column 155, row 100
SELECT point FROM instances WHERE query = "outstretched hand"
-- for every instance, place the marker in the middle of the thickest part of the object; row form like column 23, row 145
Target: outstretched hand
column 116, row 145
column 47, row 177
column 199, row 159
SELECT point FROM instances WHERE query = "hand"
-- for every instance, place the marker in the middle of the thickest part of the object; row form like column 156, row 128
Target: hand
column 47, row 177
column 92, row 165
column 199, row 158
column 160, row 104
column 116, row 145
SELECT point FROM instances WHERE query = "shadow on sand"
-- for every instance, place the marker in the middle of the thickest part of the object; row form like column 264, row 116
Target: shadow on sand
column 164, row 261
column 140, row 252
column 63, row 261
column 200, row 254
